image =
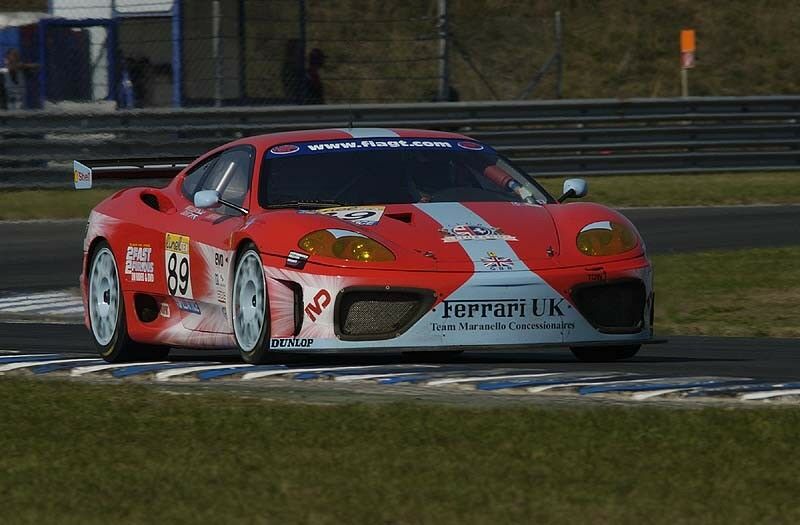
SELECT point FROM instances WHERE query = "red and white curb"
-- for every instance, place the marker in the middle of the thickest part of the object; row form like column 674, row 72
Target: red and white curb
column 529, row 382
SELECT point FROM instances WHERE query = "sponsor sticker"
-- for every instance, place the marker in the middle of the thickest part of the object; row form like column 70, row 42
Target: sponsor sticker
column 139, row 264
column 360, row 215
column 290, row 342
column 344, row 145
column 178, row 270
column 320, row 302
column 284, row 149
column 220, row 276
column 496, row 263
column 474, row 146
column 502, row 315
column 81, row 176
column 164, row 311
column 188, row 306
column 474, row 232
column 192, row 212
column 351, row 145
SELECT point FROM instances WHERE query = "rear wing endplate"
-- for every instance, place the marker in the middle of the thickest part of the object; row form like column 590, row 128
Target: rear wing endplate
column 85, row 171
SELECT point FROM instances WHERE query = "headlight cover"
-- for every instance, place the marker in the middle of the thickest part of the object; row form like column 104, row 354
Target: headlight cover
column 344, row 244
column 606, row 238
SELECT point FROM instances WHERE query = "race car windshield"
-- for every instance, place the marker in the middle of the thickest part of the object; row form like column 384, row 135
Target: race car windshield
column 385, row 171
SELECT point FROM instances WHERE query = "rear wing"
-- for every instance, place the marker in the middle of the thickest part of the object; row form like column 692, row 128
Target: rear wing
column 85, row 171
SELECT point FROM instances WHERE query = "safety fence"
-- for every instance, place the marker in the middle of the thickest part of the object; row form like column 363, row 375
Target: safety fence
column 189, row 53
column 547, row 138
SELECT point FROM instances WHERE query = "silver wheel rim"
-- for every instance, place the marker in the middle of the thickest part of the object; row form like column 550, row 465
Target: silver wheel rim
column 248, row 301
column 103, row 297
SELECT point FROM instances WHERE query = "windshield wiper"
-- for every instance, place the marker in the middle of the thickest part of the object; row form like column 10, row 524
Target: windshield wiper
column 307, row 204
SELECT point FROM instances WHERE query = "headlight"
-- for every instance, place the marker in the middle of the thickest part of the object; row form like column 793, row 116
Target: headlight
column 606, row 238
column 347, row 245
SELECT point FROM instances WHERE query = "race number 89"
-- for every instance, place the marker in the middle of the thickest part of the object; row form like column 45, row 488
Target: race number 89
column 177, row 274
column 178, row 266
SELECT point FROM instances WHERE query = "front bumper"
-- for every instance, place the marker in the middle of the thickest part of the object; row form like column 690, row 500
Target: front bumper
column 311, row 309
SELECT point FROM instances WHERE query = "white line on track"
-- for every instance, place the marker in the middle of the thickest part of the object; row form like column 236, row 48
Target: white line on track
column 41, row 307
column 542, row 388
column 266, row 373
column 16, row 353
column 641, row 396
column 82, row 370
column 453, row 380
column 167, row 374
column 769, row 394
column 63, row 311
column 28, row 364
column 26, row 299
column 362, row 377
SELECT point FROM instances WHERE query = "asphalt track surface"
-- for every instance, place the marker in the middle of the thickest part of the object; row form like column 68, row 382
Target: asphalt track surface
column 762, row 359
column 46, row 256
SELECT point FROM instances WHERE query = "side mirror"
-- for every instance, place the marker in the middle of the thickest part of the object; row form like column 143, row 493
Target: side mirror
column 210, row 199
column 574, row 189
column 206, row 199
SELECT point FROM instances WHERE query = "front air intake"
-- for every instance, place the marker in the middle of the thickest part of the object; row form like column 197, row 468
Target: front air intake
column 614, row 307
column 373, row 314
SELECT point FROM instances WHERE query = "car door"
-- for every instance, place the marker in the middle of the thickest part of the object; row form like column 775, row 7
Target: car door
column 197, row 249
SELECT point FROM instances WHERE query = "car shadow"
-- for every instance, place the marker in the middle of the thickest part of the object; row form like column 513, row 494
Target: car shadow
column 466, row 358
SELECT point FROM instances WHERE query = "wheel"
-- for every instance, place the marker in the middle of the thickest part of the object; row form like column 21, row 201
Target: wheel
column 604, row 354
column 250, row 308
column 107, row 313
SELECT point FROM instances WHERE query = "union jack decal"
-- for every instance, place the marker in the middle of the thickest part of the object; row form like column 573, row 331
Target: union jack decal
column 493, row 262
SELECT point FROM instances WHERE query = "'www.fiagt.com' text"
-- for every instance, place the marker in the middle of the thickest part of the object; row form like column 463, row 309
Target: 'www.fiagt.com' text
column 380, row 144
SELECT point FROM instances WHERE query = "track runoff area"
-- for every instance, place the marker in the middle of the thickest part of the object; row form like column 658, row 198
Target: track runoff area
column 687, row 370
column 475, row 377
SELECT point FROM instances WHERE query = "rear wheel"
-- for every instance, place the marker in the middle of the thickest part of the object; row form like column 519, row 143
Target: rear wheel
column 604, row 354
column 250, row 308
column 107, row 313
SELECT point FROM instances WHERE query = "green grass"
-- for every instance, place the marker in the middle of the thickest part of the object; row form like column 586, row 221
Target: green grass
column 80, row 453
column 690, row 190
column 729, row 293
column 49, row 204
column 632, row 190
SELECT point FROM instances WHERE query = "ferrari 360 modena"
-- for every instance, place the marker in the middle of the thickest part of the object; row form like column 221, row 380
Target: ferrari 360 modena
column 357, row 240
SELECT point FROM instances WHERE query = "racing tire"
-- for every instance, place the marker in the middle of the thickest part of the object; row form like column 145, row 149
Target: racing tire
column 107, row 320
column 604, row 354
column 250, row 308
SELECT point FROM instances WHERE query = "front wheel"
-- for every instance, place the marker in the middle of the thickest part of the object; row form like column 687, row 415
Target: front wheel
column 107, row 313
column 250, row 308
column 604, row 354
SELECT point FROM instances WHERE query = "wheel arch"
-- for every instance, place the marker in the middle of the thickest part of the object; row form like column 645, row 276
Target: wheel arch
column 242, row 244
column 90, row 253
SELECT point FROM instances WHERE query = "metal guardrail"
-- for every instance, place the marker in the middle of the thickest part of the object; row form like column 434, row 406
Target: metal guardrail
column 548, row 138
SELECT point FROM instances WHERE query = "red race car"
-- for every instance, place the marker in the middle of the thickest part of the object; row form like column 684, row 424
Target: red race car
column 357, row 240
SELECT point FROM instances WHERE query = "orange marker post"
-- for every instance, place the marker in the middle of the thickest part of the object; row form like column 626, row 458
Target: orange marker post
column 687, row 58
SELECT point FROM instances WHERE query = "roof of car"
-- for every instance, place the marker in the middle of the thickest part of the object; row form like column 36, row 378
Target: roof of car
column 272, row 139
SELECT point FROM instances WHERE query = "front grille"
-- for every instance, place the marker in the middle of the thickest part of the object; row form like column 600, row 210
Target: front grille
column 612, row 307
column 373, row 314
